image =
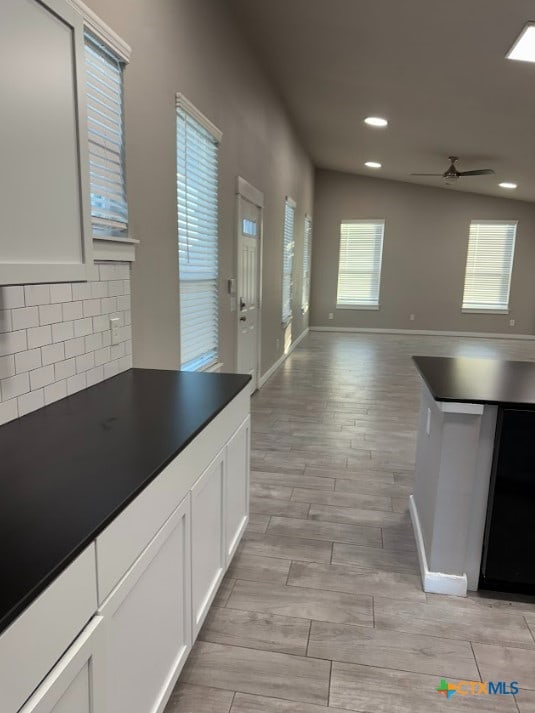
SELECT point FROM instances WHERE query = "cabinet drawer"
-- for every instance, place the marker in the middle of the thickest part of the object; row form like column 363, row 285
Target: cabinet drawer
column 35, row 641
column 128, row 535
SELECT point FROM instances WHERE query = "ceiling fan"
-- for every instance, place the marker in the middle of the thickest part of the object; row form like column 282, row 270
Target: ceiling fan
column 452, row 174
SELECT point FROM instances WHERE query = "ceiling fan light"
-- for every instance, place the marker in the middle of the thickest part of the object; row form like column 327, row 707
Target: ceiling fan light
column 377, row 121
column 508, row 186
column 373, row 164
column 523, row 49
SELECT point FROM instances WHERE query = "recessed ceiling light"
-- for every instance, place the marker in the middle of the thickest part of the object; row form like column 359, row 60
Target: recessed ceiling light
column 510, row 186
column 524, row 46
column 375, row 121
column 373, row 164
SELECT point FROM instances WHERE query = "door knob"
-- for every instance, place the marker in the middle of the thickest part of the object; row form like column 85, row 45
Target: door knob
column 243, row 319
column 243, row 304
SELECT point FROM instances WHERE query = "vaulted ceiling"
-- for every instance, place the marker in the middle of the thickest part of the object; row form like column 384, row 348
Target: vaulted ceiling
column 435, row 68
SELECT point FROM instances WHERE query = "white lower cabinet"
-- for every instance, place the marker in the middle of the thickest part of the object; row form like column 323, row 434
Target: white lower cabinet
column 237, row 487
column 207, row 538
column 148, row 622
column 77, row 683
column 157, row 571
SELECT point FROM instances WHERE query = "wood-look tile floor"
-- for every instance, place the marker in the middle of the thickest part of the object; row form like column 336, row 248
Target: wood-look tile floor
column 322, row 608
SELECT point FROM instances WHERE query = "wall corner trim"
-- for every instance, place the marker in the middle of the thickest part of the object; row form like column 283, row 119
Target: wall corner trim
column 269, row 373
column 434, row 582
column 426, row 332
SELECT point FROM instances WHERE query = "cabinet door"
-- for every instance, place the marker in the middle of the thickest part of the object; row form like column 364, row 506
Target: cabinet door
column 237, row 488
column 207, row 538
column 148, row 623
column 77, row 683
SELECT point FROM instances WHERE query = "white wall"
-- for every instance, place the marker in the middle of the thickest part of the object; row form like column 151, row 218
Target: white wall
column 424, row 256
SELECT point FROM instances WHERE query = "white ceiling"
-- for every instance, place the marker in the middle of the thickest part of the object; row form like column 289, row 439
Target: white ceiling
column 435, row 68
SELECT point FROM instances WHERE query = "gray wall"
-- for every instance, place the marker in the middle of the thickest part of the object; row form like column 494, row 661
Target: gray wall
column 193, row 47
column 424, row 257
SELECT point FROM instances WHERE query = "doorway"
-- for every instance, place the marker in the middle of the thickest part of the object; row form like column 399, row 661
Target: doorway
column 248, row 292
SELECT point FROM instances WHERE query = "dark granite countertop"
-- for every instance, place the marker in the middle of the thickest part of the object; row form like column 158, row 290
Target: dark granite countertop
column 68, row 469
column 478, row 381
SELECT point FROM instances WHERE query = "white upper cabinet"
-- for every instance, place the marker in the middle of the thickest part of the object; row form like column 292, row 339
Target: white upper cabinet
column 45, row 232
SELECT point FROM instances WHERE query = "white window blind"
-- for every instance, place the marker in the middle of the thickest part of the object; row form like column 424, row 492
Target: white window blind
column 288, row 259
column 109, row 208
column 491, row 247
column 359, row 267
column 307, row 254
column 198, row 211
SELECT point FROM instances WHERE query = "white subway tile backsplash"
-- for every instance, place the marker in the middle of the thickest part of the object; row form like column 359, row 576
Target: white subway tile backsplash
column 28, row 360
column 53, row 353
column 11, row 297
column 55, row 339
column 62, row 332
column 74, row 347
column 111, row 369
column 13, row 342
column 72, row 310
column 55, row 391
column 123, row 302
column 15, row 386
column 31, row 402
column 81, row 291
column 65, row 369
column 7, row 366
column 36, row 295
column 102, row 356
column 25, row 317
column 76, row 383
column 109, row 304
column 99, row 289
column 100, row 324
column 93, row 342
column 41, row 377
column 50, row 314
column 91, row 308
column 83, row 327
column 94, row 376
column 85, row 362
column 8, row 410
column 6, row 324
column 39, row 336
column 60, row 293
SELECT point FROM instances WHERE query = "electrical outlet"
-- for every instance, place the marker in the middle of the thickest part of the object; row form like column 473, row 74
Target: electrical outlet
column 115, row 324
column 331, row 315
column 512, row 322
column 412, row 317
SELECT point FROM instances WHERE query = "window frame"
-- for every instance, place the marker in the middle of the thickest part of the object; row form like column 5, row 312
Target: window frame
column 118, row 248
column 364, row 306
column 493, row 308
column 288, row 246
column 184, row 105
column 307, row 264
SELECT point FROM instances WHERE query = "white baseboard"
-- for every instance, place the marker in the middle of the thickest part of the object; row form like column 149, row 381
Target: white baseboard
column 434, row 582
column 425, row 332
column 280, row 361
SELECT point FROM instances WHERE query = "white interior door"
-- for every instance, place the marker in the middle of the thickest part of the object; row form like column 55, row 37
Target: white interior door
column 248, row 288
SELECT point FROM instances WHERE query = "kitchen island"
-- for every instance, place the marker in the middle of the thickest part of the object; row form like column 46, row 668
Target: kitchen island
column 120, row 510
column 458, row 509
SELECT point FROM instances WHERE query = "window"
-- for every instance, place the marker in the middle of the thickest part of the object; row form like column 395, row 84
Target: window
column 288, row 260
column 109, row 208
column 305, row 298
column 359, row 267
column 198, row 211
column 491, row 247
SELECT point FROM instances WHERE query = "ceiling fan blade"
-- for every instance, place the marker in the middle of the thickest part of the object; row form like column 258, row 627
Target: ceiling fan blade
column 427, row 174
column 480, row 172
